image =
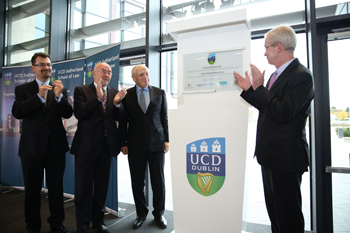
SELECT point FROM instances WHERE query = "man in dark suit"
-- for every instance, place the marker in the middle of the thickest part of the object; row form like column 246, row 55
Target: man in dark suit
column 281, row 144
column 96, row 106
column 43, row 144
column 147, row 141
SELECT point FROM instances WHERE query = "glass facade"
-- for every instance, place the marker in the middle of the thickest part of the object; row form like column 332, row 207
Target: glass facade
column 94, row 25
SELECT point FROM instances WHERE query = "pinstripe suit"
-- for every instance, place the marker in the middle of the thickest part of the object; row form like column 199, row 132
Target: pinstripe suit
column 281, row 145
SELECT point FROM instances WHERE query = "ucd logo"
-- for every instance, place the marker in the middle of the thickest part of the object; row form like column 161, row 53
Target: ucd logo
column 206, row 165
column 89, row 69
column 211, row 58
column 7, row 78
column 53, row 76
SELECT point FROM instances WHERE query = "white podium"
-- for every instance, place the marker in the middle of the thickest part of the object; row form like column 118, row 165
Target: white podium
column 208, row 130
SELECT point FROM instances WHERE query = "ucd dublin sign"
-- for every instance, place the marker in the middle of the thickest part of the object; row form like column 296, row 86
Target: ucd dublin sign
column 206, row 165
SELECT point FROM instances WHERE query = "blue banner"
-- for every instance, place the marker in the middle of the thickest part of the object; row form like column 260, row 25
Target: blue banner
column 11, row 169
column 71, row 73
column 109, row 56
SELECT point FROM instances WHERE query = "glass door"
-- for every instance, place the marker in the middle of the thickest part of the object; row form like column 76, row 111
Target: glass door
column 339, row 98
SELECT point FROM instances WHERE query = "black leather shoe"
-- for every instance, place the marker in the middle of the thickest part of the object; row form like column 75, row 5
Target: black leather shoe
column 161, row 221
column 102, row 228
column 138, row 222
column 60, row 229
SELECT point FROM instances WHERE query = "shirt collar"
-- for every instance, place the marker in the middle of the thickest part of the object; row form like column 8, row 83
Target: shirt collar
column 283, row 67
column 47, row 82
column 104, row 88
column 138, row 89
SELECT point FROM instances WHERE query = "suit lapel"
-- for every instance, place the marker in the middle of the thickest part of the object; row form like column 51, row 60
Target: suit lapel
column 285, row 73
column 110, row 98
column 93, row 94
column 134, row 99
column 151, row 97
column 34, row 88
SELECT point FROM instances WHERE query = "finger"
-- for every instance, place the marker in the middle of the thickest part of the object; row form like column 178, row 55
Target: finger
column 47, row 87
column 246, row 74
column 237, row 76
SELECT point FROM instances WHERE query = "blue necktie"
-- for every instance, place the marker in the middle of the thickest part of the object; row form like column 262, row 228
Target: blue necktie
column 143, row 101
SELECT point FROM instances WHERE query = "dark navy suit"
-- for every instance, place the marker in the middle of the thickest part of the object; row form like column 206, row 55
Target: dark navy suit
column 281, row 144
column 96, row 140
column 43, row 145
column 146, row 134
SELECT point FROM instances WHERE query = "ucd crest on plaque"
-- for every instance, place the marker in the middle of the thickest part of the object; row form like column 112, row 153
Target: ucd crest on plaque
column 206, row 165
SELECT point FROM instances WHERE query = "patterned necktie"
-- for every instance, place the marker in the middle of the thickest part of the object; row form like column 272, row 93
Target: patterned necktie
column 104, row 100
column 143, row 101
column 272, row 80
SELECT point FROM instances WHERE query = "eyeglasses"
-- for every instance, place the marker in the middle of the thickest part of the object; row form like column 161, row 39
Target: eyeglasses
column 270, row 46
column 43, row 64
column 109, row 73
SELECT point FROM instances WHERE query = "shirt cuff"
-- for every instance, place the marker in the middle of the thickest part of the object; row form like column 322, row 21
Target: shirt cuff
column 58, row 99
column 41, row 98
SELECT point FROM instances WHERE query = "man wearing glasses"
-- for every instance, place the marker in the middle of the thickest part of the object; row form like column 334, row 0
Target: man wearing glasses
column 96, row 106
column 281, row 144
column 43, row 144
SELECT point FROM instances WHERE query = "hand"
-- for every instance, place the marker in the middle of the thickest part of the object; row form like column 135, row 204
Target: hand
column 58, row 87
column 244, row 83
column 166, row 147
column 124, row 150
column 257, row 77
column 43, row 90
column 119, row 96
column 99, row 90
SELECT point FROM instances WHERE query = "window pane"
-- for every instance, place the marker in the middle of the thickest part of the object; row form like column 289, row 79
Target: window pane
column 93, row 19
column 78, row 4
column 326, row 8
column 339, row 84
column 100, row 7
column 77, row 22
column 96, row 41
column 129, row 24
column 26, row 27
column 133, row 9
column 339, row 102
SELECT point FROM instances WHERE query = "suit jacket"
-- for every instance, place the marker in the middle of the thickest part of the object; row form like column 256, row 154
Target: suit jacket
column 93, row 122
column 281, row 140
column 40, row 121
column 146, row 131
